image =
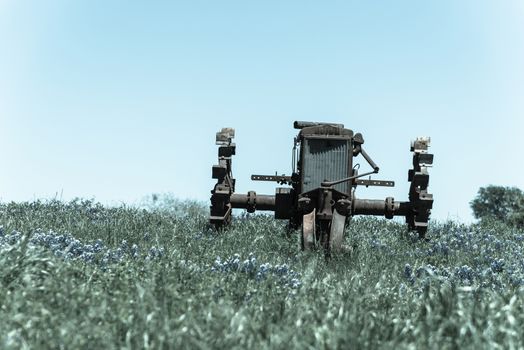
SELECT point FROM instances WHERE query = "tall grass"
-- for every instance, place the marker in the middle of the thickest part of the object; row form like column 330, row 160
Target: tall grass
column 80, row 275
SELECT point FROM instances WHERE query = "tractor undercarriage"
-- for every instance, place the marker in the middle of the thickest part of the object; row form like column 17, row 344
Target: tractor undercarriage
column 323, row 207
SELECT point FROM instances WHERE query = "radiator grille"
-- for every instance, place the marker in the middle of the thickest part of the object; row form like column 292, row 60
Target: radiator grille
column 325, row 159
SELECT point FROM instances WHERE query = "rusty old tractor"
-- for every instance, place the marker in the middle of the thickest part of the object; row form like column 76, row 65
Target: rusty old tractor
column 320, row 194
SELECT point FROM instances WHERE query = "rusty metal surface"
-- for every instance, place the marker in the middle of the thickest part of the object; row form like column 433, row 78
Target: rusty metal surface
column 326, row 131
column 336, row 234
column 258, row 201
column 302, row 124
column 381, row 207
column 309, row 231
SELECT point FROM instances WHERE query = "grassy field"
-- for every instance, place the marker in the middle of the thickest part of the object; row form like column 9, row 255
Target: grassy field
column 82, row 276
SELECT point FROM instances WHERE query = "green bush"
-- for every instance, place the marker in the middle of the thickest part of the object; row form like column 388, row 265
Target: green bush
column 498, row 203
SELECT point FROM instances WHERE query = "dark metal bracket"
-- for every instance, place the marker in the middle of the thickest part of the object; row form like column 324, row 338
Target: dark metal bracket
column 382, row 183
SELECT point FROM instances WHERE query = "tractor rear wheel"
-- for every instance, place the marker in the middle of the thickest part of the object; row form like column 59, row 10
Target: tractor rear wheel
column 336, row 232
column 308, row 236
column 421, row 201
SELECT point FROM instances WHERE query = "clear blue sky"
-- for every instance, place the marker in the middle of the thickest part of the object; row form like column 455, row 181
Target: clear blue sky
column 114, row 100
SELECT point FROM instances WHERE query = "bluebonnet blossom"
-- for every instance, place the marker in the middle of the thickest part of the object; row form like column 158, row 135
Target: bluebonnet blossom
column 259, row 272
column 497, row 265
column 408, row 271
column 463, row 255
column 67, row 247
column 465, row 273
column 155, row 253
column 250, row 264
column 135, row 251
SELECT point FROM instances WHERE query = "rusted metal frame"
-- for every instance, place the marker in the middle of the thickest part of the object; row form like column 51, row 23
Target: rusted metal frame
column 325, row 203
column 261, row 201
column 326, row 207
column 320, row 197
column 421, row 201
column 381, row 207
column 220, row 210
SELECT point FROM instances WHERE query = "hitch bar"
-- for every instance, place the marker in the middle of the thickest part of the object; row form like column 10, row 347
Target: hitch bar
column 370, row 182
column 333, row 183
column 277, row 178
